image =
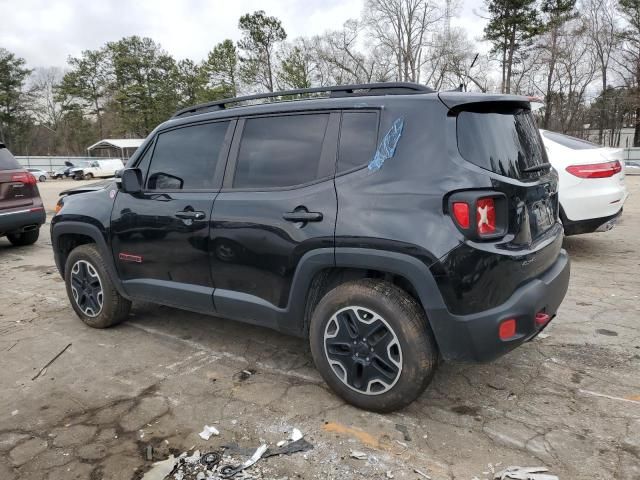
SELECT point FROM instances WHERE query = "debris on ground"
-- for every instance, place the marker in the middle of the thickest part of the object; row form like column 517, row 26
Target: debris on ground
column 295, row 435
column 285, row 449
column 358, row 455
column 404, row 430
column 245, row 374
column 422, row 474
column 149, row 452
column 43, row 370
column 207, row 431
column 160, row 470
column 524, row 473
column 229, row 471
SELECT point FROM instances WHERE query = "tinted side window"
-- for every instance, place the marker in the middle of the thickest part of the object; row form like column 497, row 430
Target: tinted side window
column 358, row 136
column 186, row 158
column 143, row 163
column 280, row 151
column 7, row 162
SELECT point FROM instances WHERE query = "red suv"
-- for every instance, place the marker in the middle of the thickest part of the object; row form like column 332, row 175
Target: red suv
column 21, row 209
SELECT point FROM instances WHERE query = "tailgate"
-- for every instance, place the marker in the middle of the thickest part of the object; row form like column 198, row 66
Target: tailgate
column 16, row 189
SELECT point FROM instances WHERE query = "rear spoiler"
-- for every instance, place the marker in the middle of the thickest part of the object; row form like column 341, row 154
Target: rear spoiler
column 461, row 100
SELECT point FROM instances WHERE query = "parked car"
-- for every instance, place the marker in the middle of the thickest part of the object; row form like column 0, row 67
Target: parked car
column 40, row 175
column 97, row 169
column 389, row 224
column 632, row 167
column 592, row 189
column 21, row 209
column 63, row 172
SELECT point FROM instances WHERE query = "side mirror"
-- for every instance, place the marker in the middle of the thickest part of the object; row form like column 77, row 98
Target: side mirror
column 131, row 180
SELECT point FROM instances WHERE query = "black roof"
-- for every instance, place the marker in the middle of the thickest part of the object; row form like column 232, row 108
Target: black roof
column 338, row 91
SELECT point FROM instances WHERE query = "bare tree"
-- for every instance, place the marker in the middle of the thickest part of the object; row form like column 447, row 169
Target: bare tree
column 602, row 29
column 404, row 28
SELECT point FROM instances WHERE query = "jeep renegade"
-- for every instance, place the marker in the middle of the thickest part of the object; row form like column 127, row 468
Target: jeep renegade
column 391, row 225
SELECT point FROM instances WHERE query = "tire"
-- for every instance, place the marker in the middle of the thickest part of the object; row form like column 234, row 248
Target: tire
column 88, row 176
column 24, row 238
column 42, row 178
column 97, row 311
column 403, row 345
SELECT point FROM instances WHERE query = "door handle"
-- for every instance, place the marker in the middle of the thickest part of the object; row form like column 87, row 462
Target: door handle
column 302, row 216
column 190, row 215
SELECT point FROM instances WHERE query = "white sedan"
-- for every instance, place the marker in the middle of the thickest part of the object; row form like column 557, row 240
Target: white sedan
column 40, row 175
column 591, row 182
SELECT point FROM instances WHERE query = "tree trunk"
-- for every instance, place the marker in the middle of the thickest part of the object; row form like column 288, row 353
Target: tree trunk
column 512, row 41
column 504, row 67
column 552, row 66
column 603, row 106
column 636, row 133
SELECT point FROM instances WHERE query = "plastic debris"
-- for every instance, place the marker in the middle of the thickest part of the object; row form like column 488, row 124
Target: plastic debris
column 210, row 459
column 295, row 435
column 160, row 470
column 149, row 452
column 358, row 455
column 387, row 147
column 422, row 474
column 207, row 431
column 525, row 473
column 389, row 474
column 286, row 449
column 229, row 471
column 281, row 443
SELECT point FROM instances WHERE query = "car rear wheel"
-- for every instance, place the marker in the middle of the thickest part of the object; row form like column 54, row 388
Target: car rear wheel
column 42, row 178
column 88, row 176
column 24, row 238
column 372, row 344
column 91, row 292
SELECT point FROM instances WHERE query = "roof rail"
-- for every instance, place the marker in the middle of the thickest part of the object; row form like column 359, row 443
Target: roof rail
column 364, row 89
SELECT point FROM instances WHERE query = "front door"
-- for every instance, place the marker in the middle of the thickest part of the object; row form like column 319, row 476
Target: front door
column 160, row 236
column 278, row 202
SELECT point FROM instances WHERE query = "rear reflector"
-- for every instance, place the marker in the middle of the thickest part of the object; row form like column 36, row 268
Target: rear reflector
column 542, row 318
column 595, row 170
column 486, row 216
column 461, row 214
column 507, row 329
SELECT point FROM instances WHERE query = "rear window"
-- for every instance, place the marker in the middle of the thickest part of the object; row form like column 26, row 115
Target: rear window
column 7, row 162
column 504, row 141
column 570, row 142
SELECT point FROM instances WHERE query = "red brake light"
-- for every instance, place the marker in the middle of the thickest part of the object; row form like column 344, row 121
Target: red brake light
column 24, row 177
column 507, row 329
column 461, row 214
column 595, row 170
column 486, row 216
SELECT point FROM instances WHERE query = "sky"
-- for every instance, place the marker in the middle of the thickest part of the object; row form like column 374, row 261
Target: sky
column 46, row 32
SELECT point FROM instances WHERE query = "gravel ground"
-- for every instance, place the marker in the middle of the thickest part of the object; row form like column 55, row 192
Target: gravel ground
column 569, row 400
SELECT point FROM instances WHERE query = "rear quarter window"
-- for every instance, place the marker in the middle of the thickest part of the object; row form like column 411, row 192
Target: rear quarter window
column 7, row 162
column 358, row 137
column 503, row 140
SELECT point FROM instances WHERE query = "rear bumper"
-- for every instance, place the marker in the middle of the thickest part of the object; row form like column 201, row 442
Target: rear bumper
column 602, row 224
column 474, row 337
column 18, row 220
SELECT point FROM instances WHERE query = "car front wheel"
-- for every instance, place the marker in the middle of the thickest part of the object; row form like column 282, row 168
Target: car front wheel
column 372, row 344
column 91, row 292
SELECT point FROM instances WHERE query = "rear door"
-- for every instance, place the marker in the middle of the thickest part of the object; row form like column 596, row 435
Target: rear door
column 160, row 236
column 278, row 202
column 17, row 186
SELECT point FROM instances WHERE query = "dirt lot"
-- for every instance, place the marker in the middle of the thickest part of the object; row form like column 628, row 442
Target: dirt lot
column 570, row 400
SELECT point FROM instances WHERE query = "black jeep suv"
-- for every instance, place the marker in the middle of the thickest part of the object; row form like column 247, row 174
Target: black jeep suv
column 390, row 224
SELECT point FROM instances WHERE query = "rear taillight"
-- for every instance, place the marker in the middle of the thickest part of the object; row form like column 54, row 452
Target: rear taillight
column 24, row 177
column 486, row 216
column 595, row 170
column 480, row 215
column 461, row 213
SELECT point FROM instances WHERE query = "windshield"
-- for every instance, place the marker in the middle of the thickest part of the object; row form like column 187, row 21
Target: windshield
column 503, row 140
column 570, row 142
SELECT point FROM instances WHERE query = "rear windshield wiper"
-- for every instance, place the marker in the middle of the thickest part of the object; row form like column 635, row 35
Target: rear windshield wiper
column 536, row 168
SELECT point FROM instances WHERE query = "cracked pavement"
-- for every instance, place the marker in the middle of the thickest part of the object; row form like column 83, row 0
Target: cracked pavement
column 569, row 400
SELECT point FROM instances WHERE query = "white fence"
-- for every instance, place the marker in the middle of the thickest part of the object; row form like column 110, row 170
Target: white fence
column 49, row 163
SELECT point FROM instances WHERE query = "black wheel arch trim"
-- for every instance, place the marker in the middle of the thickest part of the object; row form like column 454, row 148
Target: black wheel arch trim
column 81, row 228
